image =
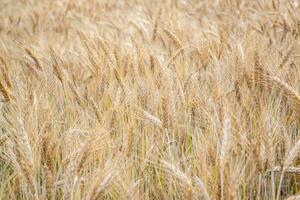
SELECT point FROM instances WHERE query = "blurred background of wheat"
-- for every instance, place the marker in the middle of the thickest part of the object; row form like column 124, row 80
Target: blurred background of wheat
column 149, row 99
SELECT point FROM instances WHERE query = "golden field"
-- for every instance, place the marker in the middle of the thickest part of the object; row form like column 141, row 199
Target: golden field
column 150, row 99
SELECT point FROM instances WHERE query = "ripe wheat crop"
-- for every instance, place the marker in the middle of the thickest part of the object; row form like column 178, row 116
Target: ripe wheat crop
column 150, row 99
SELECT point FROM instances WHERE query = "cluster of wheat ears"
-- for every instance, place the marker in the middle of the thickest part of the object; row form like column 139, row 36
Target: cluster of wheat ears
column 150, row 99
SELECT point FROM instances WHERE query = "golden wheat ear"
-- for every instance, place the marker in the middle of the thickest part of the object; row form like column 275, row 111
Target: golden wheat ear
column 34, row 58
column 263, row 78
column 287, row 90
column 286, row 57
column 4, row 93
column 155, row 28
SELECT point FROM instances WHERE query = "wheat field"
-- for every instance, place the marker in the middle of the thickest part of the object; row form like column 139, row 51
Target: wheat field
column 150, row 99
